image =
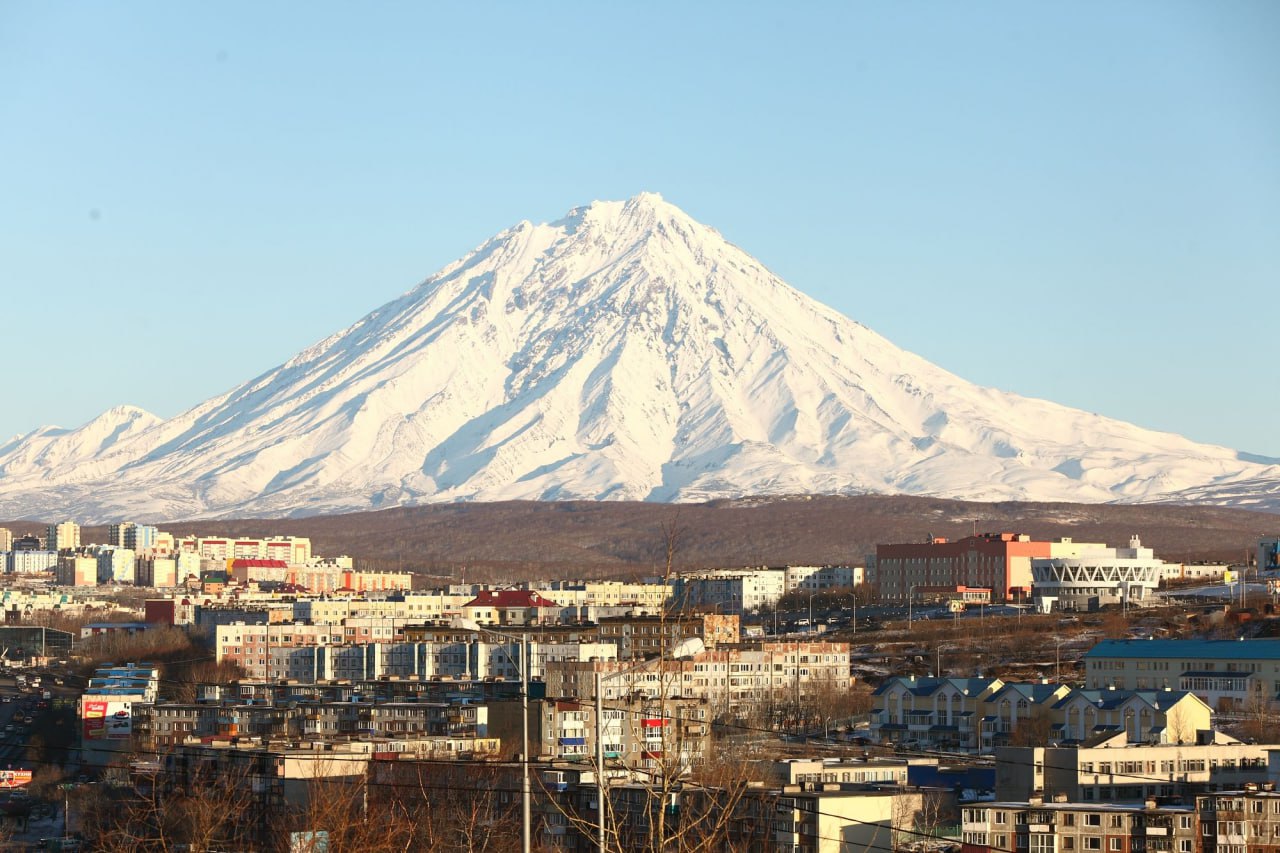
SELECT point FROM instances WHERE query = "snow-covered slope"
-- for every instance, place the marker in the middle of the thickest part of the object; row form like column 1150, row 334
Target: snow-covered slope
column 623, row 352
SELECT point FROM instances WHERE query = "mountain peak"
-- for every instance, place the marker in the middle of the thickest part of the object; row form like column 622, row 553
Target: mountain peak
column 625, row 351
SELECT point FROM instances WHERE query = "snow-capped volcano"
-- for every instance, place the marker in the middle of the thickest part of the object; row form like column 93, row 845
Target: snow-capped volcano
column 622, row 352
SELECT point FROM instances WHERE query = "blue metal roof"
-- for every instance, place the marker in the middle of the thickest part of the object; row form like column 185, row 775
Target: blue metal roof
column 1266, row 649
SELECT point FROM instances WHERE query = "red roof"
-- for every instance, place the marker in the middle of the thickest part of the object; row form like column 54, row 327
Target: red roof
column 259, row 564
column 510, row 598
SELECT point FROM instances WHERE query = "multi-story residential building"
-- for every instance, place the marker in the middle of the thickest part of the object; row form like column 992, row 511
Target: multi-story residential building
column 106, row 708
column 1241, row 821
column 156, row 571
column 1114, row 769
column 730, row 590
column 510, row 607
column 774, row 679
column 979, row 715
column 642, row 597
column 1228, row 675
column 116, row 565
column 822, row 578
column 316, row 576
column 306, row 652
column 30, row 542
column 6, row 539
column 76, row 569
column 932, row 713
column 644, row 636
column 31, row 562
column 1000, row 562
column 668, row 734
column 835, row 818
column 1042, row 826
column 139, row 538
column 1144, row 716
column 860, row 771
column 1094, row 576
column 63, row 537
column 402, row 605
column 116, row 533
column 287, row 549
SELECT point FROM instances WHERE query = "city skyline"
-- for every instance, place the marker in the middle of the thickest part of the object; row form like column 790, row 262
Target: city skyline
column 1078, row 204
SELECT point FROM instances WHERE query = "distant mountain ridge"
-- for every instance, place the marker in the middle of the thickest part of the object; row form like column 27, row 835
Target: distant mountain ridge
column 624, row 352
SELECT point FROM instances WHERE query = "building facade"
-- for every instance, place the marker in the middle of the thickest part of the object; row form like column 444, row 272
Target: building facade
column 1094, row 576
column 999, row 561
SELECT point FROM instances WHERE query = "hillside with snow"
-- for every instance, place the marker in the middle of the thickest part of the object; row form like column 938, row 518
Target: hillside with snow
column 624, row 352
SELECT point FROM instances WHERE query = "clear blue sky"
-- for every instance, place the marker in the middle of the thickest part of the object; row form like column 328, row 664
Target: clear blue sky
column 1078, row 201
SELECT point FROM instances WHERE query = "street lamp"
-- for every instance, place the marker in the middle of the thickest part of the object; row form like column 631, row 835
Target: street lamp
column 811, row 595
column 526, row 815
column 911, row 599
column 684, row 648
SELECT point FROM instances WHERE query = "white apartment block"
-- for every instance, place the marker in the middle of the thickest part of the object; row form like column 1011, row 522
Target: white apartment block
column 649, row 597
column 313, row 652
column 734, row 682
column 6, row 539
column 31, row 562
column 413, row 607
column 823, row 578
column 731, row 590
column 289, row 549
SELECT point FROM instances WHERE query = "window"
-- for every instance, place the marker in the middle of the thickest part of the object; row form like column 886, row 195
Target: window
column 1117, row 843
column 1092, row 843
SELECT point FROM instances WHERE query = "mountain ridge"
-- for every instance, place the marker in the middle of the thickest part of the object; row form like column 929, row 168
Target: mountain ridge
column 622, row 352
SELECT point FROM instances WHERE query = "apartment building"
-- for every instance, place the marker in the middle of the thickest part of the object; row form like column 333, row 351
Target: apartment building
column 643, row 597
column 1112, row 769
column 638, row 636
column 768, row 678
column 730, row 590
column 76, row 570
column 314, row 577
column 31, row 562
column 932, row 713
column 64, row 536
column 1228, row 675
column 287, row 549
column 822, row 578
column 980, row 715
column 1241, row 821
column 1059, row 826
column 116, row 565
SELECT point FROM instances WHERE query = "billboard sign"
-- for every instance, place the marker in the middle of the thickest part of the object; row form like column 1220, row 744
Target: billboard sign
column 106, row 719
column 14, row 778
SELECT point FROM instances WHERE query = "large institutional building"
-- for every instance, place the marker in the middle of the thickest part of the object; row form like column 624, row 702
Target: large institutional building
column 1229, row 675
column 1094, row 575
column 1000, row 562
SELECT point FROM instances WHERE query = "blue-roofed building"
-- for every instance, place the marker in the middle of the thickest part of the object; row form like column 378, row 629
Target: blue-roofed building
column 931, row 713
column 1144, row 716
column 1228, row 675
